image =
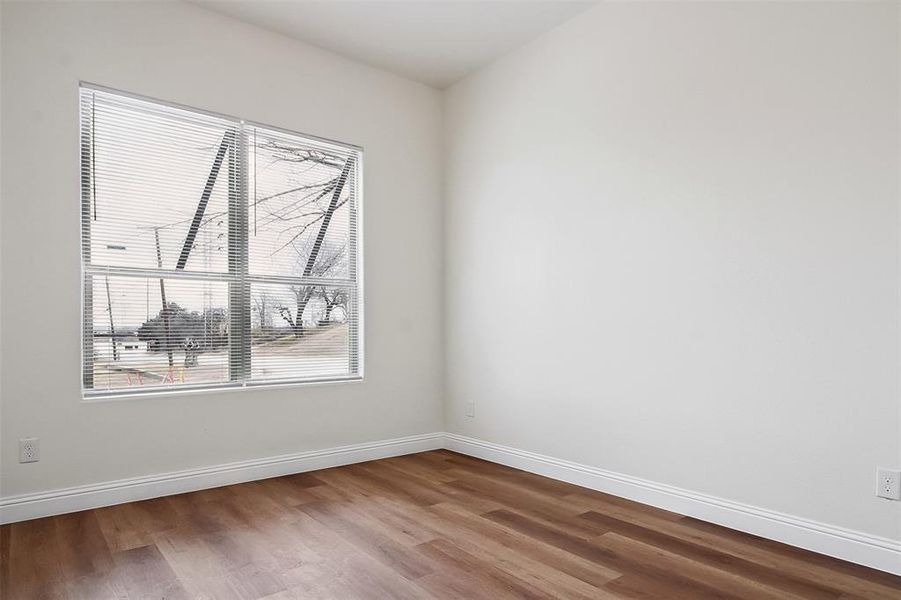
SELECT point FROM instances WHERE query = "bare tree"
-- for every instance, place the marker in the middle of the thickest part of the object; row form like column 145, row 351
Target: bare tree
column 311, row 204
column 263, row 304
column 333, row 298
column 331, row 261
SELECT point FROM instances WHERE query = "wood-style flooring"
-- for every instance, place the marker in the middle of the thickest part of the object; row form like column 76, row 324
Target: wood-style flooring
column 430, row 525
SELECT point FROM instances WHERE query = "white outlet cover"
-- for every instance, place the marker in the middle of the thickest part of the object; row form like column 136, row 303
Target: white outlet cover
column 29, row 450
column 888, row 484
column 470, row 409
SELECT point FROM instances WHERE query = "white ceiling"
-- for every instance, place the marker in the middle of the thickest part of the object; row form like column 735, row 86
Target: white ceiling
column 434, row 42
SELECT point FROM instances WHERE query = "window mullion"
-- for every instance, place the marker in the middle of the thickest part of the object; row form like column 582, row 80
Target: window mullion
column 102, row 269
column 239, row 290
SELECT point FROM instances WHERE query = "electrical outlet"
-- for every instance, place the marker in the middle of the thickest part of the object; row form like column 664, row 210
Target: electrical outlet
column 888, row 484
column 470, row 409
column 29, row 450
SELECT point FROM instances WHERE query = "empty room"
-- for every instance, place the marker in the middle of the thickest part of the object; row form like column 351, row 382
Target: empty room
column 456, row 299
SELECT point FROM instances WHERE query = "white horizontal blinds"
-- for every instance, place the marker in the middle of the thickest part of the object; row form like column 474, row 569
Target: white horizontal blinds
column 159, row 241
column 131, row 345
column 151, row 165
column 323, row 346
column 215, row 253
column 302, row 258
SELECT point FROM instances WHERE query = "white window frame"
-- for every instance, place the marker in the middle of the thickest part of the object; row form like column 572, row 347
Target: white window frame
column 238, row 280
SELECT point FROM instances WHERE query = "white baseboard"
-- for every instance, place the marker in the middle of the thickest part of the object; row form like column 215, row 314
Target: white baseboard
column 853, row 546
column 872, row 551
column 32, row 506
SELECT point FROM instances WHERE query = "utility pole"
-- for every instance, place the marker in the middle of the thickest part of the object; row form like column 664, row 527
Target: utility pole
column 112, row 328
column 165, row 312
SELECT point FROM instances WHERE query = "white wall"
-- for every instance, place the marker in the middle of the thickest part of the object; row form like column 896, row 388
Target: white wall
column 185, row 54
column 672, row 251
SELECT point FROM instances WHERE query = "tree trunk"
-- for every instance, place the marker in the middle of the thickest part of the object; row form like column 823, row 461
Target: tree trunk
column 303, row 298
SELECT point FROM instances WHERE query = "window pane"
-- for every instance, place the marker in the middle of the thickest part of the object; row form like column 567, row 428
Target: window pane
column 316, row 345
column 134, row 340
column 293, row 186
column 151, row 166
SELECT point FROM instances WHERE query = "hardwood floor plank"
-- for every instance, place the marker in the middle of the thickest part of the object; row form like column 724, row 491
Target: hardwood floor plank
column 536, row 505
column 196, row 566
column 501, row 473
column 603, row 554
column 400, row 519
column 92, row 555
column 356, row 569
column 699, row 553
column 507, row 550
column 5, row 548
column 520, row 546
column 586, row 500
column 144, row 572
column 419, row 492
column 880, row 586
column 360, row 533
column 796, row 555
column 643, row 587
column 430, row 525
column 487, row 580
column 660, row 560
column 412, row 466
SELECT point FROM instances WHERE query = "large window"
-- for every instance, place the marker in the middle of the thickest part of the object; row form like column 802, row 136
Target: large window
column 215, row 252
